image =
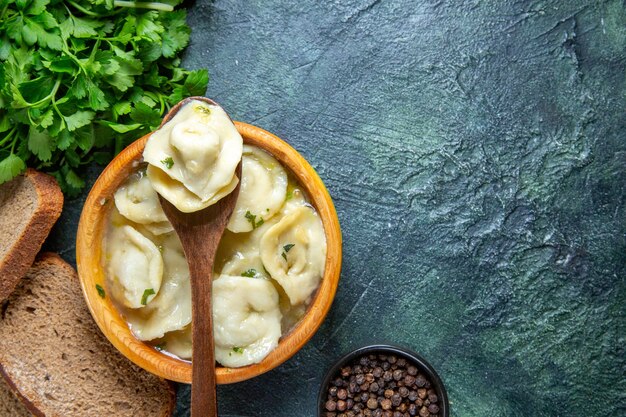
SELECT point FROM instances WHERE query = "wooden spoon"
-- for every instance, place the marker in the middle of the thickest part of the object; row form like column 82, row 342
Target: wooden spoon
column 200, row 234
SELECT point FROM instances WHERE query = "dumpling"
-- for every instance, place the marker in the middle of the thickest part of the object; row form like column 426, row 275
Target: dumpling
column 138, row 202
column 293, row 251
column 178, row 343
column 186, row 201
column 263, row 190
column 246, row 320
column 238, row 253
column 193, row 157
column 135, row 267
column 171, row 308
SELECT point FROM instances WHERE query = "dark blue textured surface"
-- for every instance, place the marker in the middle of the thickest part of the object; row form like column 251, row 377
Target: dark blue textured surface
column 476, row 153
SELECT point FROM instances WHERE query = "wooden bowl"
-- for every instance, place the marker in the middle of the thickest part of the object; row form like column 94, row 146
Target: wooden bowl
column 89, row 254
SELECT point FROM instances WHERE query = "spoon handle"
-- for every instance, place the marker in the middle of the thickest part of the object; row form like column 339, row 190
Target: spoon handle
column 203, row 392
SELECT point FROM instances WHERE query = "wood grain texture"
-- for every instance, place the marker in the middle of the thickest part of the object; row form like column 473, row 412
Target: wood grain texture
column 200, row 233
column 89, row 252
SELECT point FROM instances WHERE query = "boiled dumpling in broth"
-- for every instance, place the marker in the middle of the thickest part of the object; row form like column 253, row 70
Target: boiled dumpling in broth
column 246, row 320
column 171, row 308
column 263, row 190
column 135, row 268
column 239, row 253
column 186, row 201
column 293, row 251
column 193, row 157
column 138, row 202
column 179, row 343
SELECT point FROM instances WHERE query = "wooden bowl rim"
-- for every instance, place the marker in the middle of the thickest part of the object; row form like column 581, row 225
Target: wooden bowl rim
column 108, row 318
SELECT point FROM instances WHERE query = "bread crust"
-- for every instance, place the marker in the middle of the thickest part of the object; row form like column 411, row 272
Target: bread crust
column 22, row 254
column 32, row 404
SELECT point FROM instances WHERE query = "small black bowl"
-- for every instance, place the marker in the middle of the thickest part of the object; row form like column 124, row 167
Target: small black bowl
column 417, row 360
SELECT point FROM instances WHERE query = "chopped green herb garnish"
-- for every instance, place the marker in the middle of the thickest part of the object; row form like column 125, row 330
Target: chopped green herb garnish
column 147, row 293
column 252, row 219
column 100, row 290
column 237, row 349
column 286, row 249
column 168, row 162
column 160, row 346
column 203, row 109
column 289, row 195
column 250, row 273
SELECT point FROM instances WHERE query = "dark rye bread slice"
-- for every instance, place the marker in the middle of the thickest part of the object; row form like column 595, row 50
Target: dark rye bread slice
column 9, row 403
column 29, row 206
column 54, row 357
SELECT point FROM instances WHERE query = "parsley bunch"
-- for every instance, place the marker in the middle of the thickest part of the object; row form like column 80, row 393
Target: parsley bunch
column 81, row 79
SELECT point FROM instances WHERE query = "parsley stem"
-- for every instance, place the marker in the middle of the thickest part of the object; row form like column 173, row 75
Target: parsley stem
column 144, row 5
column 8, row 136
column 55, row 88
column 4, row 11
column 14, row 142
column 82, row 9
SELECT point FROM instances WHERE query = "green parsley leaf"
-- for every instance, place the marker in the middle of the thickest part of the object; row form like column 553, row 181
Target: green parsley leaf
column 250, row 273
column 168, row 162
column 286, row 249
column 10, row 167
column 79, row 81
column 237, row 349
column 195, row 84
column 161, row 346
column 252, row 219
column 176, row 36
column 79, row 119
column 147, row 293
column 40, row 143
column 100, row 290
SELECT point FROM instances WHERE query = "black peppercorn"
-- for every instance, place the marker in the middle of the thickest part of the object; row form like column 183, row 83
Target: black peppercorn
column 380, row 386
column 342, row 394
column 331, row 405
column 372, row 404
column 341, row 405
